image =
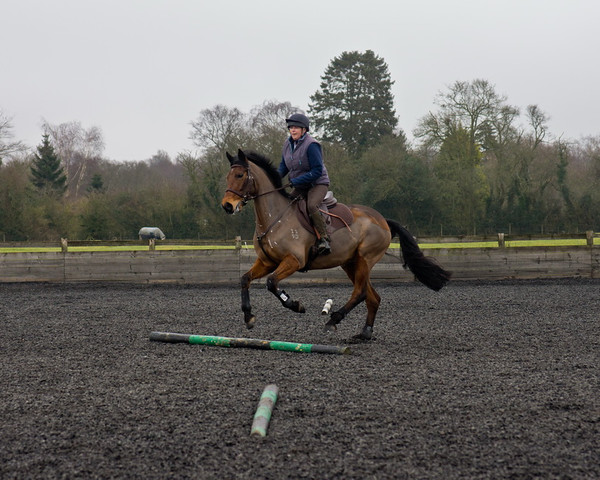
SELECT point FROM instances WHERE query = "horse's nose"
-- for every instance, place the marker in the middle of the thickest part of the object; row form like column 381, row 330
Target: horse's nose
column 228, row 207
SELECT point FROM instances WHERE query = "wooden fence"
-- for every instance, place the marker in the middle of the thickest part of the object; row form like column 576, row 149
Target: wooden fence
column 226, row 266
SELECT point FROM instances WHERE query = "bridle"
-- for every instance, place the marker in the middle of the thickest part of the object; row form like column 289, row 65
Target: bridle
column 245, row 191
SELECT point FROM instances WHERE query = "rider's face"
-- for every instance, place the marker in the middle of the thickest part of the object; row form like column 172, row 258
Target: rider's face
column 296, row 132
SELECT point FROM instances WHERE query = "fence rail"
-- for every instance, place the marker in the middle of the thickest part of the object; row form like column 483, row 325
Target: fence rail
column 500, row 238
column 225, row 266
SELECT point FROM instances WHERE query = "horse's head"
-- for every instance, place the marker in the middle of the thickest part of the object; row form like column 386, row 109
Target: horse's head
column 240, row 187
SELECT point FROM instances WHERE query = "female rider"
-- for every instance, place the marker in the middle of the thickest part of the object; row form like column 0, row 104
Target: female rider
column 302, row 159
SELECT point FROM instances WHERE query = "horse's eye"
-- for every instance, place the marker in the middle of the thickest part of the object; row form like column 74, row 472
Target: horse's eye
column 239, row 175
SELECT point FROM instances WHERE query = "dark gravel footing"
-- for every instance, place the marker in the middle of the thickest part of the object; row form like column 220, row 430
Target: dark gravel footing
column 493, row 380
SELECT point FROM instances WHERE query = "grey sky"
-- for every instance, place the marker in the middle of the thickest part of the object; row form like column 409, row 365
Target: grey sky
column 143, row 70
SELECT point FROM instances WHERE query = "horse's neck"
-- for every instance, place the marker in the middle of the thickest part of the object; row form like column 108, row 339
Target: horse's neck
column 270, row 204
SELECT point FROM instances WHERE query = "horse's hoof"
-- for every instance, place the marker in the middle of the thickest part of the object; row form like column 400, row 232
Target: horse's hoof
column 297, row 307
column 366, row 334
column 330, row 327
column 250, row 322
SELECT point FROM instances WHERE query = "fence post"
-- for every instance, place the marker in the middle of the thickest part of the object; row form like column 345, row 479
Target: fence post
column 238, row 243
column 64, row 245
column 151, row 244
column 589, row 237
column 501, row 242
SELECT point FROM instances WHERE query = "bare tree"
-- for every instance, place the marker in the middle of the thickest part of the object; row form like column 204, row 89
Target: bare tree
column 219, row 127
column 7, row 145
column 271, row 116
column 474, row 106
column 538, row 121
column 267, row 122
column 76, row 146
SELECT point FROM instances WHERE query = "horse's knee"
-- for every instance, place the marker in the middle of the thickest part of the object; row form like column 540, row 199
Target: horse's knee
column 272, row 284
column 279, row 293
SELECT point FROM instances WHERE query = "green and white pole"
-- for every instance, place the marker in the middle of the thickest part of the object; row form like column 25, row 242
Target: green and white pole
column 262, row 417
column 246, row 343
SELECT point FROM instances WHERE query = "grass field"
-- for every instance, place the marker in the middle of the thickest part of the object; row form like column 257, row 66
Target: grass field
column 120, row 248
column 515, row 243
column 130, row 248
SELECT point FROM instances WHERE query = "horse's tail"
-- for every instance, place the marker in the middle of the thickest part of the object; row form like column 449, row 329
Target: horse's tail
column 426, row 269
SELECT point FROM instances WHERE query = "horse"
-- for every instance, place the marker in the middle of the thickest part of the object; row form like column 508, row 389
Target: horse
column 284, row 246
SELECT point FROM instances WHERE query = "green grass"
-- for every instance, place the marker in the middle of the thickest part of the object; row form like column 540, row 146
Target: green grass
column 570, row 242
column 144, row 248
column 122, row 248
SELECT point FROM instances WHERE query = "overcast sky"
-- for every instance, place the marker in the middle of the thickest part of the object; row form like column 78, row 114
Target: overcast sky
column 142, row 70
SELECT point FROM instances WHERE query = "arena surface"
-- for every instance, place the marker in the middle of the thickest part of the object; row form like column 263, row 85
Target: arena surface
column 479, row 380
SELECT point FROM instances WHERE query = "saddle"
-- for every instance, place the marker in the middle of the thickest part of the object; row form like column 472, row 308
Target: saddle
column 337, row 215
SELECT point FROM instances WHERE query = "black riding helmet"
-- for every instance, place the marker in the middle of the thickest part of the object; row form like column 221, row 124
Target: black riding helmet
column 298, row 120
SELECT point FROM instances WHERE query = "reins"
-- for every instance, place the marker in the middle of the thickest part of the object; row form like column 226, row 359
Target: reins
column 279, row 217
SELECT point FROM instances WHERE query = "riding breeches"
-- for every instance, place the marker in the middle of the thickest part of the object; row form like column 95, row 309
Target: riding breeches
column 314, row 196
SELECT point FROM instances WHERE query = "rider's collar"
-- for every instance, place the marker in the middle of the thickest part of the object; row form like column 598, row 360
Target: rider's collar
column 295, row 143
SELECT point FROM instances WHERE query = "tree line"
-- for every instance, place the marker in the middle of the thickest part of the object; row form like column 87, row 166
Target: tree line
column 477, row 165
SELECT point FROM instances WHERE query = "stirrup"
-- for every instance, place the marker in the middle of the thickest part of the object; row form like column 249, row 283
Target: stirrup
column 323, row 247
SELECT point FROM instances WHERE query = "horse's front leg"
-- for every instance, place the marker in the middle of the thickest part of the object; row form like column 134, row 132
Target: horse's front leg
column 258, row 270
column 287, row 267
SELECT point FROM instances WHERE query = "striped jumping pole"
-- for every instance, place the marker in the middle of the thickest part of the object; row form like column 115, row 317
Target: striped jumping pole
column 246, row 343
column 262, row 417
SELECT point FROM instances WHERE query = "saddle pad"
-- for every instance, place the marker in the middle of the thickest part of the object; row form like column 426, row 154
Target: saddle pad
column 338, row 216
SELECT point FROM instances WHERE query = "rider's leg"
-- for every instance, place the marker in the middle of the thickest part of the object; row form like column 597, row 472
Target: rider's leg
column 314, row 199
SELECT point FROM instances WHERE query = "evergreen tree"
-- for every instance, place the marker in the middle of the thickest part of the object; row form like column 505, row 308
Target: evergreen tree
column 96, row 184
column 48, row 175
column 355, row 105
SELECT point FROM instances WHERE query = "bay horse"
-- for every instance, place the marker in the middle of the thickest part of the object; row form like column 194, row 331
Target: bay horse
column 283, row 246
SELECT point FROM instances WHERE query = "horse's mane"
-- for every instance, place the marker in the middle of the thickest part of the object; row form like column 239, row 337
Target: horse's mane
column 267, row 166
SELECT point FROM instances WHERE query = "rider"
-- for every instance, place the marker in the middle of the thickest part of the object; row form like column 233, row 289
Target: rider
column 302, row 158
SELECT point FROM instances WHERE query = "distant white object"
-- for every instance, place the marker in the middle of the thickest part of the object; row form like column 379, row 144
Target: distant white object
column 327, row 306
column 148, row 233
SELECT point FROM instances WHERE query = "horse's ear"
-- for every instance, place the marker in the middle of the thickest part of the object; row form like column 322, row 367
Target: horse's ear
column 230, row 158
column 241, row 158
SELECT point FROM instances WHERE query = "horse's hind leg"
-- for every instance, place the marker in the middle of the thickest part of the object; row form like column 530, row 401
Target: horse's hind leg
column 287, row 267
column 373, row 300
column 358, row 271
column 258, row 270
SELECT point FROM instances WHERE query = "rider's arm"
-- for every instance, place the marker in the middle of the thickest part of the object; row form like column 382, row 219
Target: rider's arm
column 283, row 170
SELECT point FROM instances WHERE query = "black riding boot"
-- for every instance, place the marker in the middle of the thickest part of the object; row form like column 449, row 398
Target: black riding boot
column 323, row 247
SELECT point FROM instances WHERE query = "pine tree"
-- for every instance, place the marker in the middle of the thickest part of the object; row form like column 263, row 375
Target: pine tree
column 48, row 175
column 354, row 105
column 97, row 184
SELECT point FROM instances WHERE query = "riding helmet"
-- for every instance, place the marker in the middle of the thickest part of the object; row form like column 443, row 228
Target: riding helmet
column 298, row 120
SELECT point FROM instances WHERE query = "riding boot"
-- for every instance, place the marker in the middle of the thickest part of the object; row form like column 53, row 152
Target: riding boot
column 323, row 247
